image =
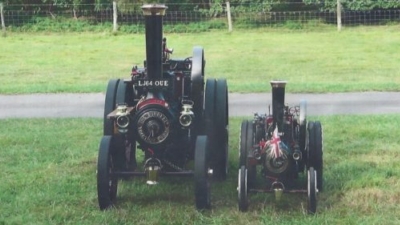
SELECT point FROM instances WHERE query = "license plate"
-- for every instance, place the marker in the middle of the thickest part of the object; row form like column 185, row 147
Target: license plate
column 152, row 83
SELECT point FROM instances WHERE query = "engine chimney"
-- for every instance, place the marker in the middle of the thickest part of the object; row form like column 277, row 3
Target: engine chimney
column 278, row 103
column 153, row 15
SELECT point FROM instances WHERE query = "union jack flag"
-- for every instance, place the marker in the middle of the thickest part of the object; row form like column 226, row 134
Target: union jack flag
column 274, row 145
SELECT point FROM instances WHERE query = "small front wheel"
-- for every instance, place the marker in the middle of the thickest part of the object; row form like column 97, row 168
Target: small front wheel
column 107, row 183
column 245, row 145
column 311, row 191
column 201, row 178
column 242, row 189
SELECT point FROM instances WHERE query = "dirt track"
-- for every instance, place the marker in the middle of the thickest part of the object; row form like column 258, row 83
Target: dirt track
column 91, row 105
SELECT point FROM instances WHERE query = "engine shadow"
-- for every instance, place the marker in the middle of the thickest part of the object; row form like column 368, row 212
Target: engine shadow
column 171, row 190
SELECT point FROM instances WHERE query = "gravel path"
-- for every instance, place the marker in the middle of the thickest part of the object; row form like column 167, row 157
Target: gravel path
column 91, row 105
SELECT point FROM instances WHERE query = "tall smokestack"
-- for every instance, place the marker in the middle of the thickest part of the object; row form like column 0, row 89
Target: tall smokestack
column 278, row 103
column 153, row 15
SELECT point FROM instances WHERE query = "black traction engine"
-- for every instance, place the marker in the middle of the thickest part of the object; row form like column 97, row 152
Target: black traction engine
column 286, row 145
column 168, row 111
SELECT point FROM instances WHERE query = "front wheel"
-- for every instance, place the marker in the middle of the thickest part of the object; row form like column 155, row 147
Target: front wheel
column 246, row 145
column 311, row 191
column 201, row 178
column 242, row 189
column 107, row 183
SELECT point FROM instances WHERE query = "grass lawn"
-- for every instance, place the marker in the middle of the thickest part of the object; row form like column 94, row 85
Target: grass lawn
column 48, row 177
column 356, row 59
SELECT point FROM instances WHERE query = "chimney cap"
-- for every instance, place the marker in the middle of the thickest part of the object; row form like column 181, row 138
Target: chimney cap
column 154, row 10
column 278, row 83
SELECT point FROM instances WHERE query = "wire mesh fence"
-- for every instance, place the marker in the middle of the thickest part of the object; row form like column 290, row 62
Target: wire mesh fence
column 295, row 14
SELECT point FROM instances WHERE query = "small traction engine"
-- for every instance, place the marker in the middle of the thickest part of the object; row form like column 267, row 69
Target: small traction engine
column 286, row 145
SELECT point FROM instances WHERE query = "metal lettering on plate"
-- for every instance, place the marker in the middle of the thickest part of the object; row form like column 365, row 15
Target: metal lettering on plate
column 152, row 83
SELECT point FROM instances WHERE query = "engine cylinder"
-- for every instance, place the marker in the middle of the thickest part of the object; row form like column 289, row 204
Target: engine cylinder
column 277, row 166
column 154, row 126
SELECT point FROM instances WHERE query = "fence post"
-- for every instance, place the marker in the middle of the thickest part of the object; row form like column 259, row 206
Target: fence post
column 228, row 12
column 3, row 25
column 339, row 15
column 115, row 17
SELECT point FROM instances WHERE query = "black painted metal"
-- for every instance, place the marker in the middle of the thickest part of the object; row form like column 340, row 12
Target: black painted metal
column 278, row 103
column 142, row 174
column 154, row 33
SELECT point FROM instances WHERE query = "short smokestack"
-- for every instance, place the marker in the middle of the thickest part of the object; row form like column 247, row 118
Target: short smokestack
column 153, row 15
column 278, row 103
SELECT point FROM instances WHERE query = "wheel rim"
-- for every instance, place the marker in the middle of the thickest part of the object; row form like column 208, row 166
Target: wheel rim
column 311, row 191
column 242, row 189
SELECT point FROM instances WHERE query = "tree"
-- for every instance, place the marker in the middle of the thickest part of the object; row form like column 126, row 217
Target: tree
column 357, row 5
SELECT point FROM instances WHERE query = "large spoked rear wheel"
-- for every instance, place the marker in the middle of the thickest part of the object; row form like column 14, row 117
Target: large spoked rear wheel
column 242, row 189
column 221, row 122
column 201, row 178
column 109, row 106
column 311, row 191
column 216, row 126
column 107, row 183
column 315, row 151
column 245, row 145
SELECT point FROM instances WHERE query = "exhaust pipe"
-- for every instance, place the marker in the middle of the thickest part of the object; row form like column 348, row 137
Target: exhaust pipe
column 278, row 103
column 153, row 16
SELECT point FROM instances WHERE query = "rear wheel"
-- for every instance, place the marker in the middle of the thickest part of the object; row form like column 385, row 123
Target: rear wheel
column 315, row 151
column 124, row 93
column 217, row 135
column 220, row 156
column 107, row 183
column 202, row 182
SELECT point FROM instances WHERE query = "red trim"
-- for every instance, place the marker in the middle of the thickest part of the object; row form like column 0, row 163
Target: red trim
column 152, row 101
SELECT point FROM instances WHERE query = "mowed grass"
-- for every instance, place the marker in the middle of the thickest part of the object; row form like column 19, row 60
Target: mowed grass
column 356, row 59
column 48, row 171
